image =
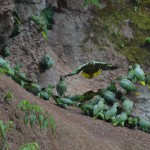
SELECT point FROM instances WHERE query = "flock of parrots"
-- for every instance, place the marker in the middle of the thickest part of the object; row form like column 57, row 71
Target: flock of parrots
column 109, row 104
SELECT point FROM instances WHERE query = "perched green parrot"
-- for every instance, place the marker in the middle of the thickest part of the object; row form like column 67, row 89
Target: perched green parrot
column 91, row 69
column 127, row 85
column 21, row 78
column 120, row 119
column 65, row 102
column 46, row 62
column 61, row 87
column 95, row 100
column 98, row 107
column 101, row 115
column 144, row 125
column 75, row 97
column 109, row 96
column 5, row 52
column 112, row 87
column 127, row 106
column 84, row 97
column 131, row 73
column 139, row 74
column 46, row 93
column 132, row 121
column 87, row 109
column 111, row 113
column 33, row 88
column 5, row 67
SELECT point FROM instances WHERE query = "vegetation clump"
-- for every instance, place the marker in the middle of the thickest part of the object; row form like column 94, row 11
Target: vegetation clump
column 30, row 146
column 34, row 113
column 44, row 21
column 109, row 23
column 4, row 128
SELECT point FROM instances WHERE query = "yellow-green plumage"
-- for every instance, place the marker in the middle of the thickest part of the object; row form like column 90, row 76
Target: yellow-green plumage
column 127, row 85
column 99, row 107
column 132, row 121
column 139, row 73
column 112, row 111
column 130, row 75
column 120, row 119
column 87, row 109
column 127, row 106
column 144, row 125
column 109, row 96
column 91, row 69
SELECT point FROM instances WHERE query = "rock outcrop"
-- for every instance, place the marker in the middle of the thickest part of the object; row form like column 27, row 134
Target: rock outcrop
column 6, row 21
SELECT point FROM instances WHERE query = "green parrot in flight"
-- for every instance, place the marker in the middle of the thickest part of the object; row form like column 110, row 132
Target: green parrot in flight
column 91, row 69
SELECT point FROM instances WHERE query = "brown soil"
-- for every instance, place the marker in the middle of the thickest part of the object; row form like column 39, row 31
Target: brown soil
column 74, row 130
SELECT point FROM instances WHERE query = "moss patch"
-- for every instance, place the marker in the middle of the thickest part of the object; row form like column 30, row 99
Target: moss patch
column 108, row 24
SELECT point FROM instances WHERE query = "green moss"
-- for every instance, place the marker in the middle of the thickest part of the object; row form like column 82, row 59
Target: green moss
column 141, row 20
column 108, row 24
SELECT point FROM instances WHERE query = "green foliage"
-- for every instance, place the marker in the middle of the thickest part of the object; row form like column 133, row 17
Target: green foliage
column 25, row 105
column 47, row 15
column 4, row 128
column 34, row 113
column 9, row 95
column 30, row 146
column 17, row 25
column 52, row 124
column 92, row 2
column 110, row 23
column 44, row 21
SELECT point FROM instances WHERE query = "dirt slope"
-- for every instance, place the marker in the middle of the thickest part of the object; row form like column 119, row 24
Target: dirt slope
column 74, row 130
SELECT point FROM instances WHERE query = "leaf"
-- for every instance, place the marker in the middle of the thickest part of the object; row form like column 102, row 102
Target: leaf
column 44, row 35
column 32, row 119
column 9, row 94
column 92, row 2
column 47, row 16
column 40, row 120
column 45, row 123
column 52, row 124
column 26, row 118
